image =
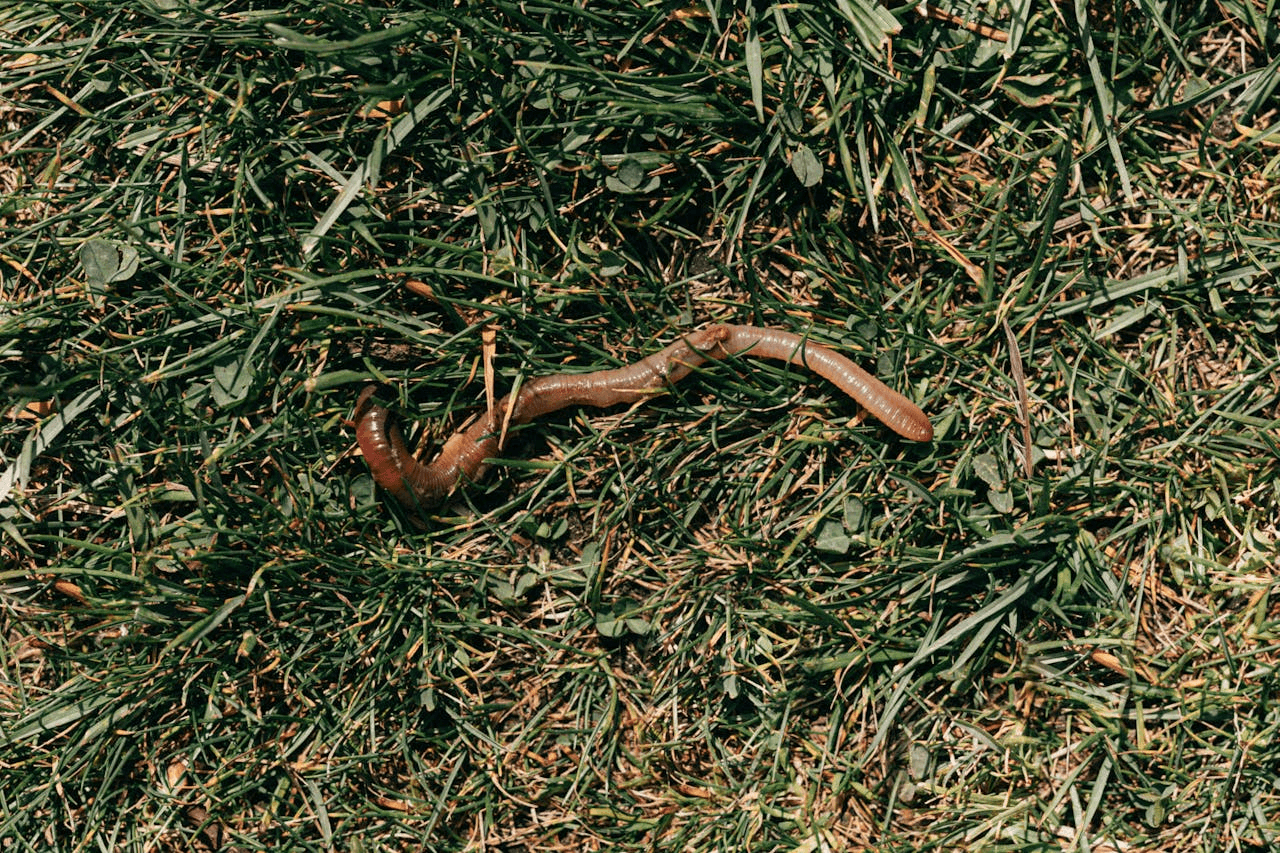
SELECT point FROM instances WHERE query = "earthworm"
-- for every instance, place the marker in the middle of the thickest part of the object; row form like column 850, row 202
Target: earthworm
column 418, row 486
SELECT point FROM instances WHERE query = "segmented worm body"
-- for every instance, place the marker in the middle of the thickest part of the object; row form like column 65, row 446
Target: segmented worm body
column 418, row 486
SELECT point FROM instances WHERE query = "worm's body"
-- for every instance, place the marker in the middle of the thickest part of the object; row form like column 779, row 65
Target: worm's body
column 418, row 486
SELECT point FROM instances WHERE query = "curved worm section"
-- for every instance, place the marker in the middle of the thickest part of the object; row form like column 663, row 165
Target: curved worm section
column 420, row 487
column 891, row 408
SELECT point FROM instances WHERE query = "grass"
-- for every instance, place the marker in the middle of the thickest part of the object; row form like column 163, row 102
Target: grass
column 735, row 618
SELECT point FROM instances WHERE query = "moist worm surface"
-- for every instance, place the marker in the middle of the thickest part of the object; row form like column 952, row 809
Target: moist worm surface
column 421, row 487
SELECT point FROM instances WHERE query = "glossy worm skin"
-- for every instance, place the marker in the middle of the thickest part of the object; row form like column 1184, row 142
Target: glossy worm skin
column 418, row 486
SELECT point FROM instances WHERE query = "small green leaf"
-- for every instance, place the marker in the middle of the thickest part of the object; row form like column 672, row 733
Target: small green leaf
column 610, row 627
column 630, row 178
column 631, row 173
column 623, row 617
column 231, row 383
column 986, row 466
column 128, row 264
column 552, row 531
column 791, row 119
column 1001, row 500
column 920, row 761
column 806, row 166
column 100, row 260
column 502, row 590
column 105, row 261
column 526, row 582
column 854, row 514
column 832, row 538
column 611, row 263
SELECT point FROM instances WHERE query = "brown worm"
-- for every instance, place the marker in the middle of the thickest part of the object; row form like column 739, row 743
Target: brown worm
column 418, row 486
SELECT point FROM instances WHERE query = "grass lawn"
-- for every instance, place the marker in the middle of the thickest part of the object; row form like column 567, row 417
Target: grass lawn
column 738, row 616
